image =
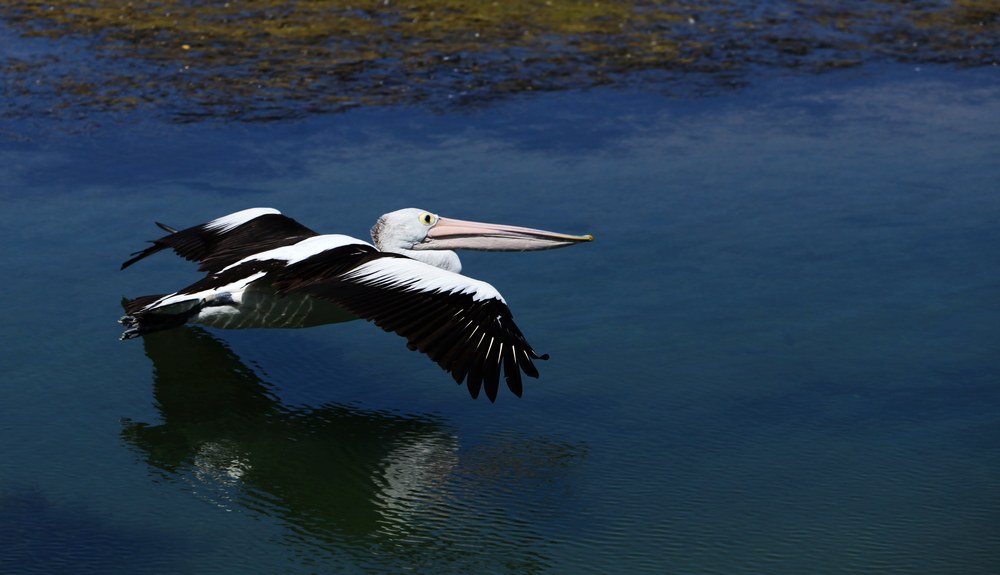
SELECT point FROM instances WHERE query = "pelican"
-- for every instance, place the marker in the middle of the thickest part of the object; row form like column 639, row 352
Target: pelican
column 265, row 269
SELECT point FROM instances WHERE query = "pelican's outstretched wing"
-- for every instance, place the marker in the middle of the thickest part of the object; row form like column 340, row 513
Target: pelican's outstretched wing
column 229, row 239
column 463, row 324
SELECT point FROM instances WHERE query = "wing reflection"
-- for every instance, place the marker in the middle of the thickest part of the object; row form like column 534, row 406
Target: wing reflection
column 333, row 470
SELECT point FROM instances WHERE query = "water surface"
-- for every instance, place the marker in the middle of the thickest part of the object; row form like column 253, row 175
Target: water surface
column 779, row 355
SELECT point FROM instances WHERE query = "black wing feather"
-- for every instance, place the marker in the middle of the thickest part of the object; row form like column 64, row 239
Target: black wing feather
column 215, row 249
column 512, row 374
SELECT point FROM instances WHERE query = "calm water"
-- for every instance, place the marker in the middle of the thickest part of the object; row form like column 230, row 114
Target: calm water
column 781, row 355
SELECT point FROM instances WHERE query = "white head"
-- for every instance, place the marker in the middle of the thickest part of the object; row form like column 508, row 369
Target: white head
column 429, row 238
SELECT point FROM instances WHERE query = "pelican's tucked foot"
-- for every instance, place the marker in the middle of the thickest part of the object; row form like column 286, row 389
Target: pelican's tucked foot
column 143, row 323
column 129, row 333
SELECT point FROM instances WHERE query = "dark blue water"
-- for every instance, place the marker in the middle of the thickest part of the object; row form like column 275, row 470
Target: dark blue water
column 780, row 355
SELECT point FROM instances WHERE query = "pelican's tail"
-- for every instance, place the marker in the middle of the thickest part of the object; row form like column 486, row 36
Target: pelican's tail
column 140, row 319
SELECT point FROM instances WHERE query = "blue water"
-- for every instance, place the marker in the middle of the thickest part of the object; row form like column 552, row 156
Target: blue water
column 780, row 355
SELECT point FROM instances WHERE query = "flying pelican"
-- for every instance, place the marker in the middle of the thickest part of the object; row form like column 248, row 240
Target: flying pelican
column 265, row 269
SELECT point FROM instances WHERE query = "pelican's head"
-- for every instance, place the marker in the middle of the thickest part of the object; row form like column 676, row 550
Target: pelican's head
column 412, row 229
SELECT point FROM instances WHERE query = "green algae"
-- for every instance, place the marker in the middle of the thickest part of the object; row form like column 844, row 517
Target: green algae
column 260, row 60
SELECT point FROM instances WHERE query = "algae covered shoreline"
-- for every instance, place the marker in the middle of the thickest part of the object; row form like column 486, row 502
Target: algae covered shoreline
column 258, row 60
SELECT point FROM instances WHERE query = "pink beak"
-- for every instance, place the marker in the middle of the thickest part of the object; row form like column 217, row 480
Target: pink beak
column 450, row 234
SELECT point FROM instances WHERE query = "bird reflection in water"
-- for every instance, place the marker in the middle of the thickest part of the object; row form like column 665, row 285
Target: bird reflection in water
column 345, row 471
column 347, row 481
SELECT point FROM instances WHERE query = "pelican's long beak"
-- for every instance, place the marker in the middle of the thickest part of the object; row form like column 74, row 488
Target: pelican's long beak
column 448, row 234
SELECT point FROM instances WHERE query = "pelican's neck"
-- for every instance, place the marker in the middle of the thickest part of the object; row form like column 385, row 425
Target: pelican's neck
column 443, row 259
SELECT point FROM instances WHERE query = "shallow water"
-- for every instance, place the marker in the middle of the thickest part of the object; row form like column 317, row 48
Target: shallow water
column 779, row 355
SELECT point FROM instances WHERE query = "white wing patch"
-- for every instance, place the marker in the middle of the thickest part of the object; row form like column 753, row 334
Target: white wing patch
column 411, row 275
column 234, row 220
column 302, row 250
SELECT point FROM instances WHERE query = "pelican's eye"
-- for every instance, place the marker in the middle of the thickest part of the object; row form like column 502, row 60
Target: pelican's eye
column 428, row 219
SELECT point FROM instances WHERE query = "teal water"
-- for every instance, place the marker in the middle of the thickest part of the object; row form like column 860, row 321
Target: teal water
column 780, row 355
